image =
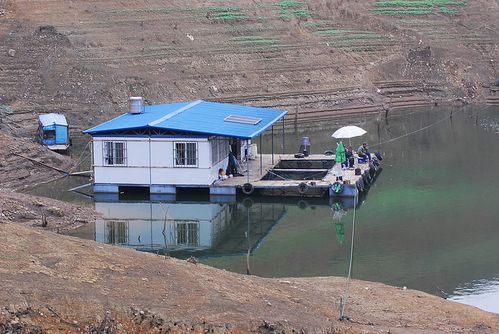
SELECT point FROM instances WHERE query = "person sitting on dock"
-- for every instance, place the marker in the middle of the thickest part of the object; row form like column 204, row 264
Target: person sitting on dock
column 222, row 175
column 363, row 152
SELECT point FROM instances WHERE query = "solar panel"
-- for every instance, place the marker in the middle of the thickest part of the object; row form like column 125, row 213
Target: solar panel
column 243, row 119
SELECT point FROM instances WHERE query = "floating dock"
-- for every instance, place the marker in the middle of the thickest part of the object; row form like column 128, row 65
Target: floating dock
column 312, row 176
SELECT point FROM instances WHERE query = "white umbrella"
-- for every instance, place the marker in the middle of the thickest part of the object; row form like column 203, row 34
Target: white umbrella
column 349, row 131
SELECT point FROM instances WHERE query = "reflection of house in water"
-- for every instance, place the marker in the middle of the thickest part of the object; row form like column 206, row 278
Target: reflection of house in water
column 185, row 228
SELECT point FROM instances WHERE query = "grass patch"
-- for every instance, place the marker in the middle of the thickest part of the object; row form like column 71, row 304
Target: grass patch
column 226, row 14
column 257, row 43
column 404, row 11
column 421, row 7
column 290, row 9
column 289, row 4
column 423, row 3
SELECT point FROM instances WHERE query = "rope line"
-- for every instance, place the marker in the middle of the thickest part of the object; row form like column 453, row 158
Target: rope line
column 416, row 131
column 80, row 160
column 343, row 304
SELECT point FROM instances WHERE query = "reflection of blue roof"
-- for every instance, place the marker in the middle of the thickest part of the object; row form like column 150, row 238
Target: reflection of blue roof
column 196, row 117
column 52, row 119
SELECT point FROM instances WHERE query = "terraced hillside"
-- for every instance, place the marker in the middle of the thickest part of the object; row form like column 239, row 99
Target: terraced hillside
column 316, row 58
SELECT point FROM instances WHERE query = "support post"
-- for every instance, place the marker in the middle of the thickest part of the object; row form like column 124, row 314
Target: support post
column 261, row 162
column 272, row 145
column 247, row 160
column 283, row 136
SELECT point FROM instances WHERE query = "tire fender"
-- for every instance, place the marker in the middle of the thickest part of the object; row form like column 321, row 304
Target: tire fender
column 302, row 188
column 337, row 187
column 247, row 188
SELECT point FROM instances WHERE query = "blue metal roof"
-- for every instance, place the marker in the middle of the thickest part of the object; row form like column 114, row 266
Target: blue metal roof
column 195, row 117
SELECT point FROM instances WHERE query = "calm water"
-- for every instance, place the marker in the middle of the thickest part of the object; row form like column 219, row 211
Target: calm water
column 430, row 222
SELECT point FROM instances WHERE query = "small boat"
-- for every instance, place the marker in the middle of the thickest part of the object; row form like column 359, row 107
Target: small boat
column 53, row 131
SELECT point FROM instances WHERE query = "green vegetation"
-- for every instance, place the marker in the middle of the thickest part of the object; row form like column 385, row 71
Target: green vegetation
column 429, row 3
column 289, row 9
column 289, row 4
column 226, row 14
column 257, row 43
column 404, row 11
column 414, row 7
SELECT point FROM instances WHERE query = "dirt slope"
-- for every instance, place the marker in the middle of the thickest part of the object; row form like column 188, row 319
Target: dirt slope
column 23, row 163
column 314, row 58
column 73, row 283
column 34, row 211
column 84, row 58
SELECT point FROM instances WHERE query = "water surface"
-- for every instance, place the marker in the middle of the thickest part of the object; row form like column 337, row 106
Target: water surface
column 430, row 222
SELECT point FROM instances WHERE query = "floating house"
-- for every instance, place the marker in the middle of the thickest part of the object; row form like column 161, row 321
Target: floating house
column 53, row 131
column 167, row 146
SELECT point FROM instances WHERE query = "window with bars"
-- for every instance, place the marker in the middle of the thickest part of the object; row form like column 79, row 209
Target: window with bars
column 186, row 154
column 114, row 153
column 187, row 233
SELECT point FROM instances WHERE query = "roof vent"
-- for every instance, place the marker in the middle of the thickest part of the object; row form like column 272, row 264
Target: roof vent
column 136, row 105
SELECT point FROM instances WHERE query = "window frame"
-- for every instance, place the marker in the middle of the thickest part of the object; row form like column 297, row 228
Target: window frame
column 105, row 153
column 187, row 233
column 185, row 157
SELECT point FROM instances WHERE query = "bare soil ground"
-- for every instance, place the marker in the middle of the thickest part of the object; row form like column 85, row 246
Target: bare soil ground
column 315, row 58
column 35, row 211
column 25, row 163
column 60, row 283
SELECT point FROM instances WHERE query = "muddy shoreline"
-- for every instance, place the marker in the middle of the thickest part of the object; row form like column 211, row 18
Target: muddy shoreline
column 73, row 284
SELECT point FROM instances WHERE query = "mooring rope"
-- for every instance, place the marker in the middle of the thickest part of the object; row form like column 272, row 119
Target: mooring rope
column 416, row 131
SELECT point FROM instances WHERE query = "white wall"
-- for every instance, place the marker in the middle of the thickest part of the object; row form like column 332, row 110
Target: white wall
column 150, row 161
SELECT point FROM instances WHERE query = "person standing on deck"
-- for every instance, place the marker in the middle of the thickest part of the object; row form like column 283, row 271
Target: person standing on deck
column 340, row 156
column 349, row 163
column 340, row 160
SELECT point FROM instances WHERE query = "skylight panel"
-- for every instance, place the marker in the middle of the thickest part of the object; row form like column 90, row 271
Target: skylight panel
column 243, row 119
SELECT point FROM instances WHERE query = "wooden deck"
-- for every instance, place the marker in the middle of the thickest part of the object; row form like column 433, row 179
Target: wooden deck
column 256, row 173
